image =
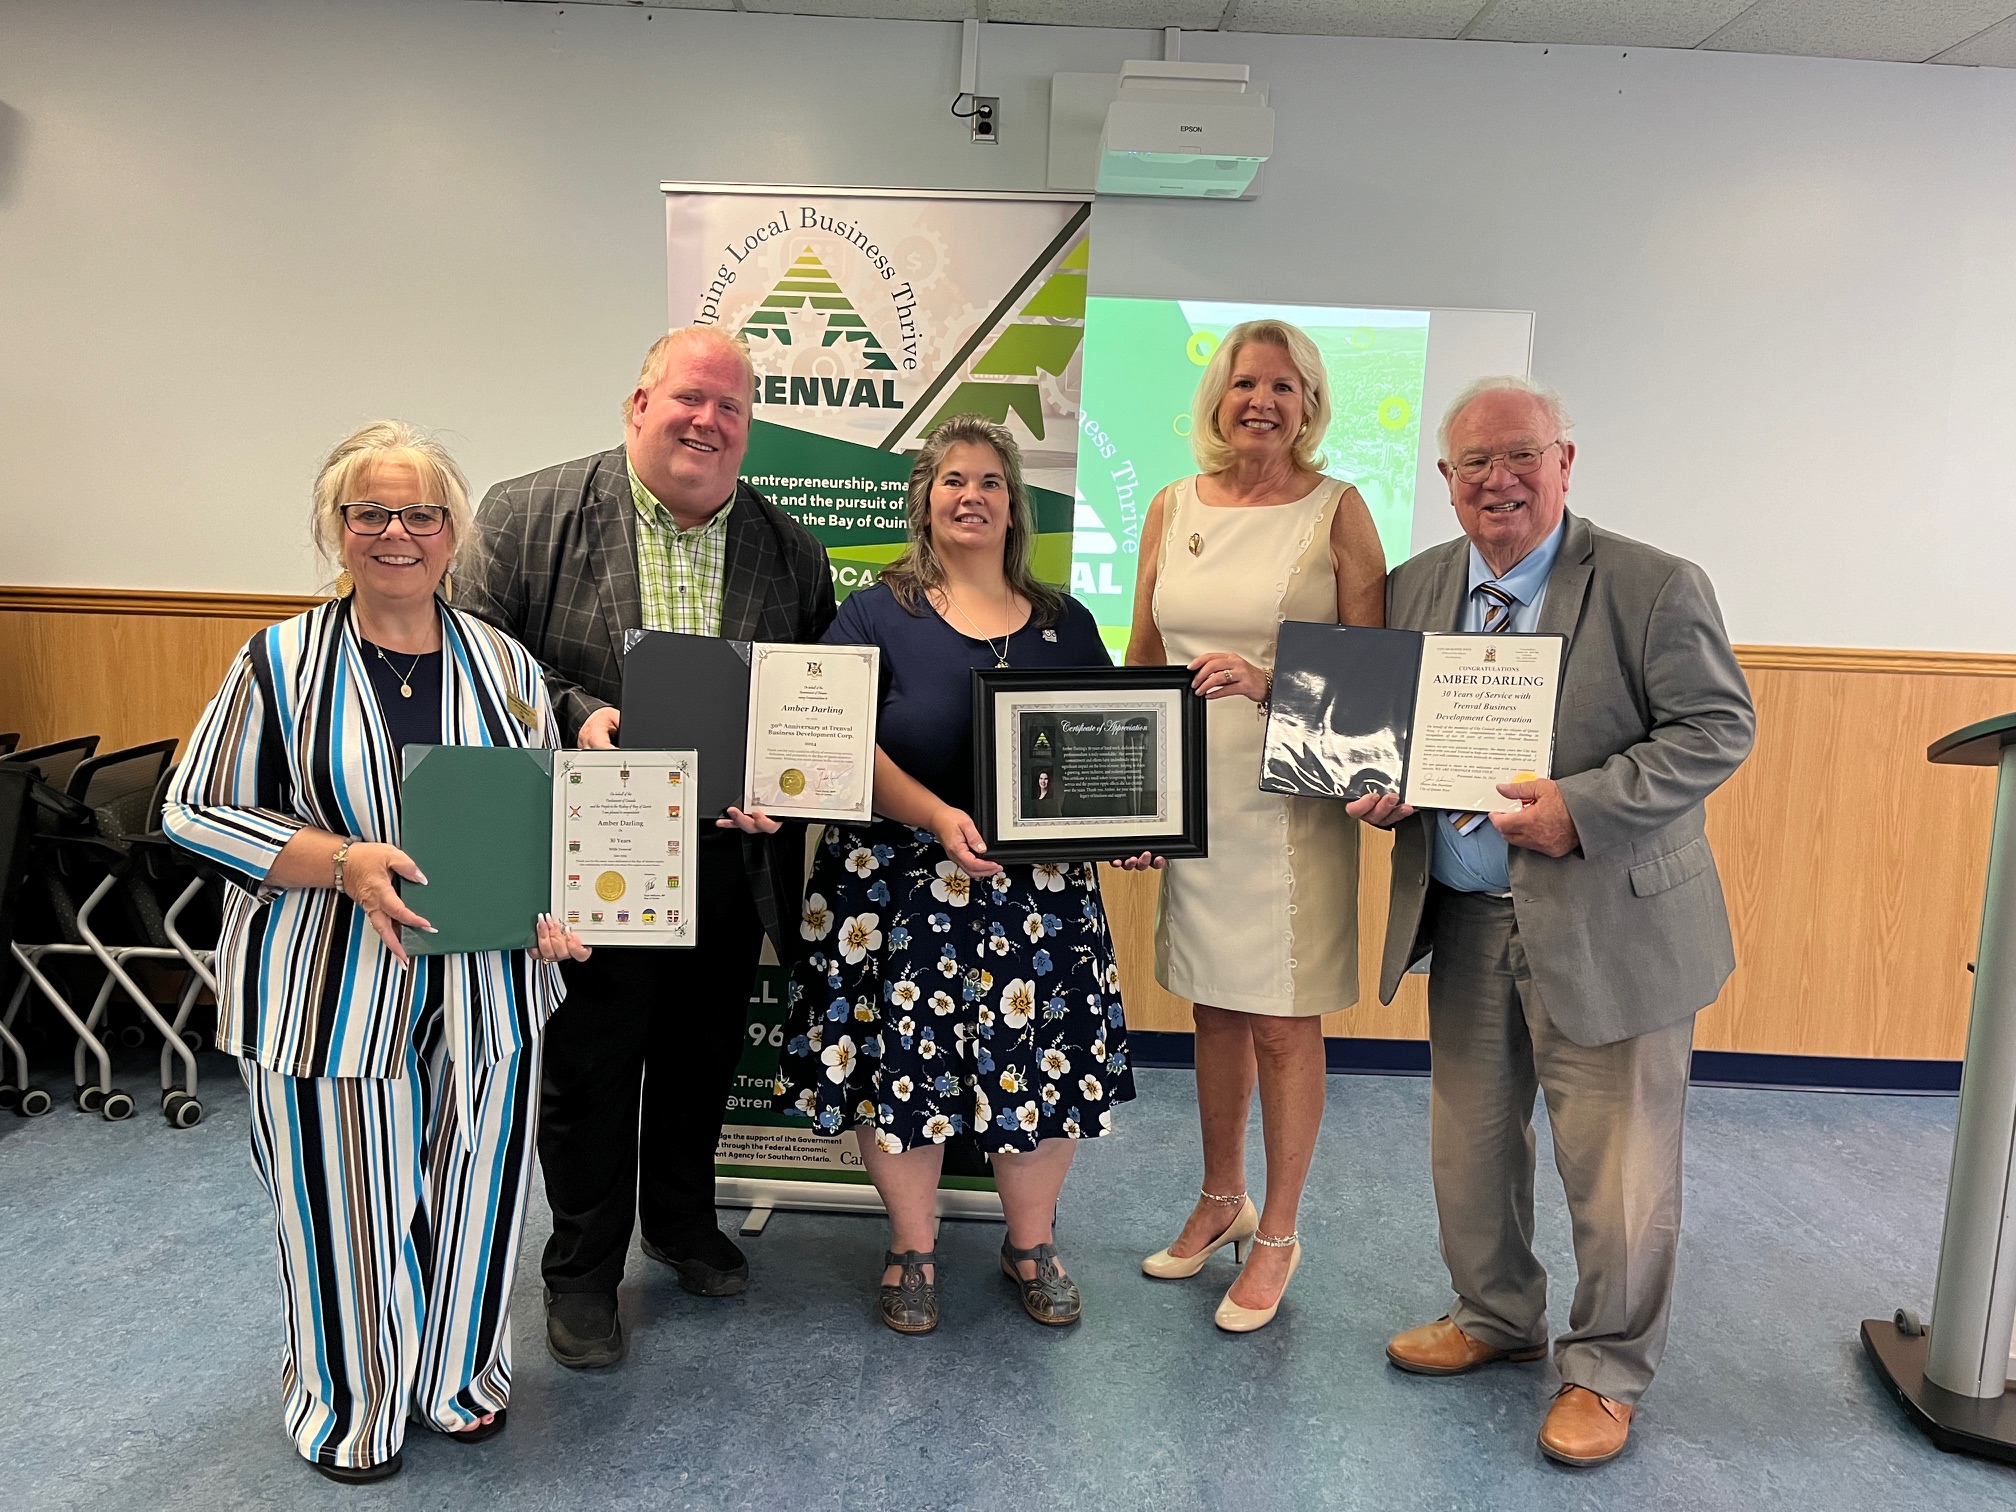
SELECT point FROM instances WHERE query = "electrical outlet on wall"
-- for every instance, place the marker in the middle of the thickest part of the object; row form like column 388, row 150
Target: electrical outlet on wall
column 984, row 125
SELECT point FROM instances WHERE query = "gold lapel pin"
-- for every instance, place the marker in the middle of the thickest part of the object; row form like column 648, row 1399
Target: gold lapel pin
column 1196, row 544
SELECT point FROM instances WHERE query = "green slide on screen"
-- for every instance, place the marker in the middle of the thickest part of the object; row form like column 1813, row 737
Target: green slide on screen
column 1143, row 359
column 478, row 821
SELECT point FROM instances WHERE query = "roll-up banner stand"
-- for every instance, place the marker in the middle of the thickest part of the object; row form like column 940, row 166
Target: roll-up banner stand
column 873, row 314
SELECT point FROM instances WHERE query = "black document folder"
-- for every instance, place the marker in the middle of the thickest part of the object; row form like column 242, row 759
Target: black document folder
column 691, row 693
column 1342, row 710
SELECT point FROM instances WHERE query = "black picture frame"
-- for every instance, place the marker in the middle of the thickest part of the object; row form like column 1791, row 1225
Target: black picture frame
column 1092, row 840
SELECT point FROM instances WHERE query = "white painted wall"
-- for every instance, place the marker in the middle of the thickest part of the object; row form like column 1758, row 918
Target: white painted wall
column 1778, row 292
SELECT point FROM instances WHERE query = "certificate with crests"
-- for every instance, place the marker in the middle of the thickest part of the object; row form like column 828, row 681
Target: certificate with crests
column 811, row 738
column 623, row 852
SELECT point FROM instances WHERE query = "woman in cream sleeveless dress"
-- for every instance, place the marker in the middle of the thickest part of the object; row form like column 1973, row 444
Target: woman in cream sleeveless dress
column 1261, row 935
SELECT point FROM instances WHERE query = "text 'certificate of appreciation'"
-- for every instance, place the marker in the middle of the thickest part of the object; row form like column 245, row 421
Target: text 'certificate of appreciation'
column 812, row 730
column 1483, row 714
column 623, row 854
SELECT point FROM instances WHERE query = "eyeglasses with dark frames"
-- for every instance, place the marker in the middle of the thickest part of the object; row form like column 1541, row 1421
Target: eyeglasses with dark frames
column 368, row 519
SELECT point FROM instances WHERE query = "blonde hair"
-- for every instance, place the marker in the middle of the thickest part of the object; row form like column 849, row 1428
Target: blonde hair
column 388, row 441
column 1504, row 383
column 918, row 570
column 660, row 357
column 1208, row 442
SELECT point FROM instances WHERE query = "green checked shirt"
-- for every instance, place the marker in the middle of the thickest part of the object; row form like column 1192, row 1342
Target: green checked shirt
column 679, row 572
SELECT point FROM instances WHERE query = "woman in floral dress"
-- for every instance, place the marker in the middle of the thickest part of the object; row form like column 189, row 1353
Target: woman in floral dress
column 942, row 993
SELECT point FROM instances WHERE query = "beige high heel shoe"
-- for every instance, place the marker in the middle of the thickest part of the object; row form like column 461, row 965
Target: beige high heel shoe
column 1245, row 1224
column 1236, row 1319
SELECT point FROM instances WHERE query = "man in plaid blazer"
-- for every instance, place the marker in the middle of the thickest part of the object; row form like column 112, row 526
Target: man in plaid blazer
column 661, row 534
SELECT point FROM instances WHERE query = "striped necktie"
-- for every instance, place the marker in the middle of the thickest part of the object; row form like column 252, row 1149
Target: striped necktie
column 1497, row 616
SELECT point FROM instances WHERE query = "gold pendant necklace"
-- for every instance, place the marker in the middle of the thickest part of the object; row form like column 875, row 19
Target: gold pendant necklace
column 1000, row 653
column 406, row 677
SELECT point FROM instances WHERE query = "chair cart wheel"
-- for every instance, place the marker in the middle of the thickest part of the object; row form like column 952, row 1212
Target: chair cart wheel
column 10, row 1096
column 132, row 1036
column 34, row 1103
column 117, row 1106
column 193, row 1040
column 89, row 1099
column 182, row 1110
column 1909, row 1323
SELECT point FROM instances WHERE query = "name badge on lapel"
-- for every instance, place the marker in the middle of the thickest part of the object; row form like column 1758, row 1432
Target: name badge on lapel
column 522, row 711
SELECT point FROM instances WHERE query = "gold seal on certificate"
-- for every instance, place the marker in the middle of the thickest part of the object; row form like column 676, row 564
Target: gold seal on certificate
column 614, row 827
column 811, row 737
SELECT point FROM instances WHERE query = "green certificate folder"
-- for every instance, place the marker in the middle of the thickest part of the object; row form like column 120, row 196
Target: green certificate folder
column 478, row 821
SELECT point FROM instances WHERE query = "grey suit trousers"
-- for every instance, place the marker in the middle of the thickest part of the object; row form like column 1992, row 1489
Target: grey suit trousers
column 1617, row 1113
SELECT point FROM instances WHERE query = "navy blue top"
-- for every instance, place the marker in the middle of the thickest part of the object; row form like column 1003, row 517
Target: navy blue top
column 409, row 721
column 926, row 720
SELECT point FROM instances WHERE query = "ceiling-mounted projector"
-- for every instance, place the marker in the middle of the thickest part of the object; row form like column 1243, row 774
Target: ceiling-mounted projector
column 1190, row 130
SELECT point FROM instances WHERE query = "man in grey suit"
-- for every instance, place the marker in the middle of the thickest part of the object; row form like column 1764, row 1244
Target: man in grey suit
column 1575, row 937
column 657, row 534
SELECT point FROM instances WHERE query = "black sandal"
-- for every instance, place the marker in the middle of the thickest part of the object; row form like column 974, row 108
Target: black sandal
column 476, row 1433
column 1049, row 1296
column 359, row 1475
column 911, row 1305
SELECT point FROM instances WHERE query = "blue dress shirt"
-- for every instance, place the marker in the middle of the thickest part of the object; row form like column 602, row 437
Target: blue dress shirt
column 1476, row 862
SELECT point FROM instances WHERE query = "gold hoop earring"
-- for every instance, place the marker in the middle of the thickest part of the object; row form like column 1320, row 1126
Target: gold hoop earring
column 345, row 583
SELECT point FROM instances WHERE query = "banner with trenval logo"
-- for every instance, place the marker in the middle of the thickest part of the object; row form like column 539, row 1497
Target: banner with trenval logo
column 872, row 315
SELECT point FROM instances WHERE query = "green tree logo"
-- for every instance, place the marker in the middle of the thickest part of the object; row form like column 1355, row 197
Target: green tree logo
column 807, row 285
column 1003, row 381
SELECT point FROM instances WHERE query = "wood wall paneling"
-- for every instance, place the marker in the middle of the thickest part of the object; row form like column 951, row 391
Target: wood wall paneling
column 1854, row 868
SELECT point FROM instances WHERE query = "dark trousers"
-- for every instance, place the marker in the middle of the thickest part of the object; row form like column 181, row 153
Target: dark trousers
column 639, row 1062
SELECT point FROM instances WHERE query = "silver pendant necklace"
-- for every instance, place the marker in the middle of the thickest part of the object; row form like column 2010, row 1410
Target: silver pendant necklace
column 1000, row 652
column 406, row 677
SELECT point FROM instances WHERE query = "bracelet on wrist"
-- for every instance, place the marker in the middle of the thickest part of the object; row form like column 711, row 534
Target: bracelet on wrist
column 336, row 864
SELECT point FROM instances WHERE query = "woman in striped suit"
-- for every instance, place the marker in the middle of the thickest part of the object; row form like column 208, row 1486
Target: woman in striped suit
column 392, row 1097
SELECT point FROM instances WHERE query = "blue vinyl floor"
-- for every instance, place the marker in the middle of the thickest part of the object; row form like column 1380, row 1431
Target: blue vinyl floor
column 138, row 1342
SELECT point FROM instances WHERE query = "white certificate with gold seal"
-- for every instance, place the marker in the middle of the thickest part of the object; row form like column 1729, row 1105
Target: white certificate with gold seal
column 624, row 824
column 1483, row 714
column 812, row 730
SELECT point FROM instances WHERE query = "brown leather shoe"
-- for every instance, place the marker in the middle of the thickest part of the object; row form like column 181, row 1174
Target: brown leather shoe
column 1441, row 1348
column 1583, row 1428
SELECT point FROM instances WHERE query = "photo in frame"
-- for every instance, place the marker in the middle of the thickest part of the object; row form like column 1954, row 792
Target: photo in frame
column 1088, row 763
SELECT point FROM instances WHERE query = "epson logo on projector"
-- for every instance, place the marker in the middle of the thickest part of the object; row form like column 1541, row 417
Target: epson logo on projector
column 1198, row 129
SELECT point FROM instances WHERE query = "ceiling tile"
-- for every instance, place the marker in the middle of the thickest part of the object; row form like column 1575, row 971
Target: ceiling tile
column 1353, row 18
column 1607, row 23
column 1887, row 30
column 1193, row 15
column 1993, row 48
column 873, row 10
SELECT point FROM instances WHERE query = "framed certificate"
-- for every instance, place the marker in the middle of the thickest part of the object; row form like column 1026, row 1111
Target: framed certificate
column 1439, row 719
column 623, row 854
column 1088, row 763
column 788, row 727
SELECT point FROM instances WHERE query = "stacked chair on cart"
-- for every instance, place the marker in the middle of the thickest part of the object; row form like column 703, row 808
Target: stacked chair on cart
column 102, row 887
column 17, row 828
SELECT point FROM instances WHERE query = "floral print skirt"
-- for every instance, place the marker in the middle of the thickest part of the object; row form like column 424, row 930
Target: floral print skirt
column 931, row 1003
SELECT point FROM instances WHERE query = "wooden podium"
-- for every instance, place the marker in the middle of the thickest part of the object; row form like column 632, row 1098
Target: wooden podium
column 1952, row 1378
